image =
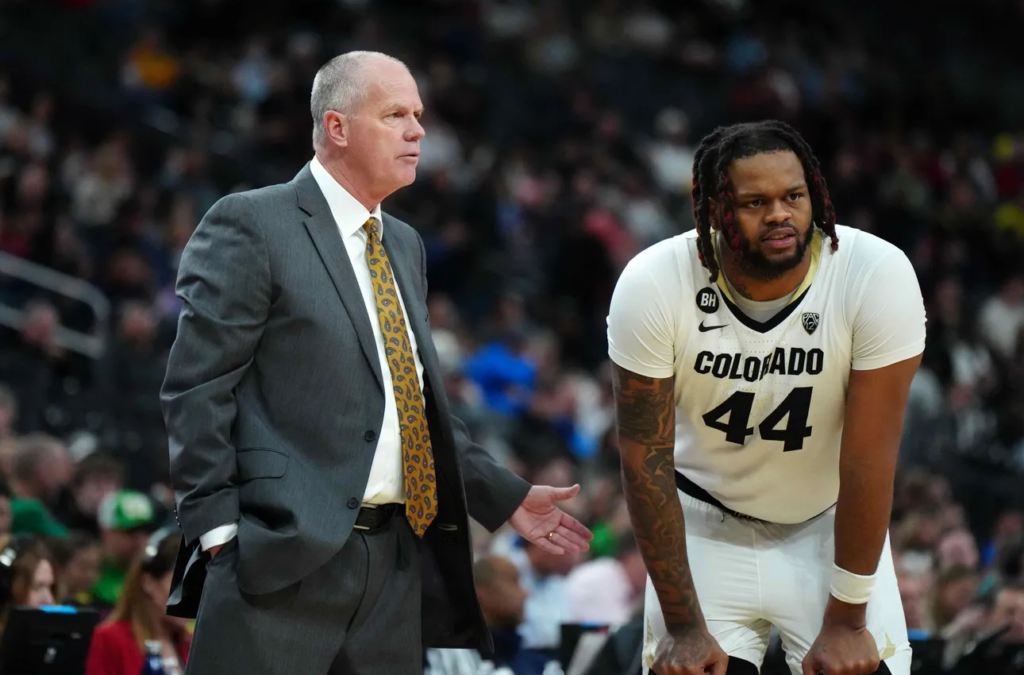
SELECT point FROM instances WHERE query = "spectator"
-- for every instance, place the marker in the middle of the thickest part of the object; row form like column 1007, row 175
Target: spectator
column 31, row 361
column 29, row 572
column 96, row 477
column 954, row 592
column 77, row 562
column 914, row 593
column 41, row 470
column 126, row 520
column 8, row 412
column 979, row 643
column 622, row 580
column 119, row 645
column 1008, row 613
column 149, row 65
column 502, row 600
column 6, row 516
column 542, row 574
column 957, row 548
column 1002, row 317
column 131, row 376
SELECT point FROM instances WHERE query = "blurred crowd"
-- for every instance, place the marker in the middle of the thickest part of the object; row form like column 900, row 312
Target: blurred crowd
column 560, row 138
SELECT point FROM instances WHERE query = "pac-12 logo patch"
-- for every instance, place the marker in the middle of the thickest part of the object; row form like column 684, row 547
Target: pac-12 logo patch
column 707, row 300
column 810, row 320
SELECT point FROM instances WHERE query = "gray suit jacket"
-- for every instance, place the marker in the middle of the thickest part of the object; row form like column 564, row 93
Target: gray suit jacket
column 274, row 401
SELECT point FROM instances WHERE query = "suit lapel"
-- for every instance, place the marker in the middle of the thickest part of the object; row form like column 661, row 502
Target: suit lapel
column 324, row 233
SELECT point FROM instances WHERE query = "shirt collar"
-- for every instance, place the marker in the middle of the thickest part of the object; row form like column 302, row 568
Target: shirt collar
column 348, row 213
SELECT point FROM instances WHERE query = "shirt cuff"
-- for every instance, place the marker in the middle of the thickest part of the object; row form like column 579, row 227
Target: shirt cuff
column 218, row 536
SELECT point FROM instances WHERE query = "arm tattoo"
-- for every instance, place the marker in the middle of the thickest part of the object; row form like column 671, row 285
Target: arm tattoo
column 645, row 415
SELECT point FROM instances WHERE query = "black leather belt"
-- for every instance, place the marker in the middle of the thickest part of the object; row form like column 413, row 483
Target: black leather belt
column 374, row 518
column 687, row 486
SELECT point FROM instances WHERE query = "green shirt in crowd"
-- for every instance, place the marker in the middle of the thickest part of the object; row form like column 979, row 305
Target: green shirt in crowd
column 30, row 516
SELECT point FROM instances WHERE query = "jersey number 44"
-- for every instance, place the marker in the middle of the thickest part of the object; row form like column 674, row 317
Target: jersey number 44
column 787, row 423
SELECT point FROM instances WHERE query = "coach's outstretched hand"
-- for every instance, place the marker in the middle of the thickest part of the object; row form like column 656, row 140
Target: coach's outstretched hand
column 693, row 652
column 540, row 521
column 842, row 650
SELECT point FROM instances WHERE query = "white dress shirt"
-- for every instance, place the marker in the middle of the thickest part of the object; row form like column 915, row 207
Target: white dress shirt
column 385, row 484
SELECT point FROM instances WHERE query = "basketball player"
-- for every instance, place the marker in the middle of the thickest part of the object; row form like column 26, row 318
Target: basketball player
column 761, row 369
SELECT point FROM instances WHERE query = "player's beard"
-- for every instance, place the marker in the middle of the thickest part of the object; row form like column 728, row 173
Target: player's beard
column 753, row 263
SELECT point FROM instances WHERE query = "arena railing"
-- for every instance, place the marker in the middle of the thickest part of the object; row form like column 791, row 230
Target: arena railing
column 91, row 344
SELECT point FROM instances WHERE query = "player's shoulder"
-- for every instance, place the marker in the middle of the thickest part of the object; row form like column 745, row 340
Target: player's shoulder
column 656, row 277
column 870, row 270
column 667, row 259
column 862, row 248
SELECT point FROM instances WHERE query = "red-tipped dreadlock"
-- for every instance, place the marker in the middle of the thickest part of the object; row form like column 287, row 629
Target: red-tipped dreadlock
column 711, row 180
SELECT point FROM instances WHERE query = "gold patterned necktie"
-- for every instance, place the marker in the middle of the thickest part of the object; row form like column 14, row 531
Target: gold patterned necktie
column 418, row 456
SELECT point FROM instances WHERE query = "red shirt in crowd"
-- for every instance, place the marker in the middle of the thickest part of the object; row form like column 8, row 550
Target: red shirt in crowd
column 114, row 651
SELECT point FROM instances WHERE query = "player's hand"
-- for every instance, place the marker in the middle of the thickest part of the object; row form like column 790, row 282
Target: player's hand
column 693, row 652
column 842, row 650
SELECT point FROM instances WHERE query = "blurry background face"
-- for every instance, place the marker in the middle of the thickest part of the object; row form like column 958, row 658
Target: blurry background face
column 41, row 589
column 914, row 594
column 122, row 546
column 1009, row 525
column 957, row 548
column 502, row 598
column 93, row 490
column 56, row 475
column 138, row 325
column 957, row 595
column 550, row 564
column 1009, row 611
column 82, row 570
column 158, row 589
column 5, row 516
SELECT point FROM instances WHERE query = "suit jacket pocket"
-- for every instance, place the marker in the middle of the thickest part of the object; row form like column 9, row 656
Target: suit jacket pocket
column 256, row 463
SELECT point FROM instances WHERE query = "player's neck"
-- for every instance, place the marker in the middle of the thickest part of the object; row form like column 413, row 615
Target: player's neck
column 760, row 290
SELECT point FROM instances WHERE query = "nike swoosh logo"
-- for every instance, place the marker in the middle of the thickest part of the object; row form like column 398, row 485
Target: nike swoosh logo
column 704, row 329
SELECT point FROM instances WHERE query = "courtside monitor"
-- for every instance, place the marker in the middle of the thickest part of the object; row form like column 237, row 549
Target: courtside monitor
column 47, row 641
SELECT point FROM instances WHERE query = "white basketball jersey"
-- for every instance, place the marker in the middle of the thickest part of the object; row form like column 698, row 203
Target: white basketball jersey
column 761, row 406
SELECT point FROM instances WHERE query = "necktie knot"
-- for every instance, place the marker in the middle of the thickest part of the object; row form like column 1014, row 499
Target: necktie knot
column 372, row 227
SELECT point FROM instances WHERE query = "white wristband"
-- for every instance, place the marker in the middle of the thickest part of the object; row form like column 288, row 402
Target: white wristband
column 851, row 588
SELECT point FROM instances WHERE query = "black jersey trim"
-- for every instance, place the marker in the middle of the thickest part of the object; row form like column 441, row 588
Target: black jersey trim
column 765, row 326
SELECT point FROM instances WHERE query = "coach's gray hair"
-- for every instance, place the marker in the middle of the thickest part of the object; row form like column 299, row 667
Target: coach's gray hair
column 341, row 85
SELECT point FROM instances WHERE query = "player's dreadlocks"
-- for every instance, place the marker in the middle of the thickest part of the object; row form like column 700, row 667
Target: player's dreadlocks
column 711, row 180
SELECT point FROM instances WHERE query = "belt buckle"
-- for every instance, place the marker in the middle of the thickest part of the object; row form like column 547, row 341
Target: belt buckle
column 361, row 507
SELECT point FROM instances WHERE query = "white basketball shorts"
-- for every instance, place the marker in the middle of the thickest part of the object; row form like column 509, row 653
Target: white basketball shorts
column 751, row 575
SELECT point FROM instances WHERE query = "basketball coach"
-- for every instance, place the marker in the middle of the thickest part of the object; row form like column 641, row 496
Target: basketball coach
column 323, row 487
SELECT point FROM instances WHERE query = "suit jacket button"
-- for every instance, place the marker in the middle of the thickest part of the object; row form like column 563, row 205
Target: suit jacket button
column 370, row 436
column 353, row 503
